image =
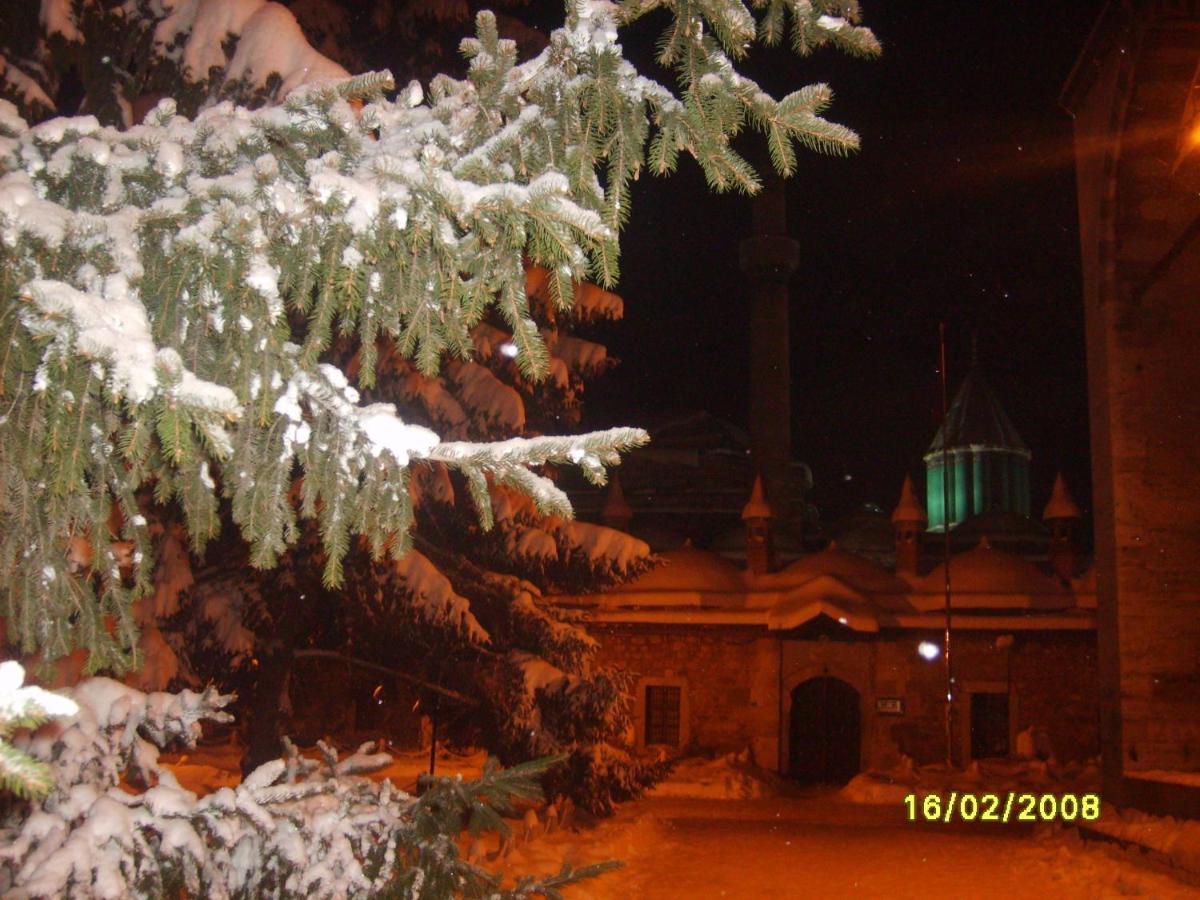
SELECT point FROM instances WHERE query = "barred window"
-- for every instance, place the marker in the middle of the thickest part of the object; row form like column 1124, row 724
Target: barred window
column 662, row 714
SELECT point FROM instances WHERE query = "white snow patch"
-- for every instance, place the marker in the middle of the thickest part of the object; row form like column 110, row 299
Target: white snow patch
column 733, row 776
column 387, row 432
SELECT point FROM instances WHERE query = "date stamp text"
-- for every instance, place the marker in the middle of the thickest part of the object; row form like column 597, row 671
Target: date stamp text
column 1012, row 806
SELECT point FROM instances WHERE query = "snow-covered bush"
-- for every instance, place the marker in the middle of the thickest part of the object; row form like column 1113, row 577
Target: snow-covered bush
column 118, row 824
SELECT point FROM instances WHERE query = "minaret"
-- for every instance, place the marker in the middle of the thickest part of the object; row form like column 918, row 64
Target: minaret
column 760, row 550
column 769, row 258
column 908, row 523
column 1061, row 514
column 616, row 512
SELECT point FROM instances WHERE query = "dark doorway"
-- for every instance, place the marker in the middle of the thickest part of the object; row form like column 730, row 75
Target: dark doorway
column 825, row 744
column 989, row 725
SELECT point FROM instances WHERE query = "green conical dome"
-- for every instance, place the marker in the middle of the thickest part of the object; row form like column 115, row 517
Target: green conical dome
column 987, row 460
column 977, row 420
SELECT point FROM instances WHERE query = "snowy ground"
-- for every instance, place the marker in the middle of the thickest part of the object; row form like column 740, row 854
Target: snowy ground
column 823, row 846
column 720, row 828
column 990, row 775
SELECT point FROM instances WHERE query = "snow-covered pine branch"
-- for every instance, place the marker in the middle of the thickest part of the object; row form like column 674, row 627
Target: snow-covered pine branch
column 170, row 292
column 148, row 271
column 118, row 824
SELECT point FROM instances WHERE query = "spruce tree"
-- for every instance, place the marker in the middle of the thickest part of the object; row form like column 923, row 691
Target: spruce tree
column 187, row 302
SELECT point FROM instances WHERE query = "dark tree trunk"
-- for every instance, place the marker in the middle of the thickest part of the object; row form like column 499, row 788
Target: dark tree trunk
column 264, row 722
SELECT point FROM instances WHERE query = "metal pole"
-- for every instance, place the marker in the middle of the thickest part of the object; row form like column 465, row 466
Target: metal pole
column 433, row 729
column 946, row 544
column 779, row 730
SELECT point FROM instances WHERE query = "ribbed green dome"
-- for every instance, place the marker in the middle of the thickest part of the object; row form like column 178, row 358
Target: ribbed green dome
column 987, row 461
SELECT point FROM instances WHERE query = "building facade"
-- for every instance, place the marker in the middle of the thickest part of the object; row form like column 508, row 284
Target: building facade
column 834, row 662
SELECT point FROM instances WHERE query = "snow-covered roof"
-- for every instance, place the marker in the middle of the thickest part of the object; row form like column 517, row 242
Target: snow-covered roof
column 856, row 571
column 996, row 589
column 825, row 595
column 687, row 569
column 975, row 420
column 989, row 578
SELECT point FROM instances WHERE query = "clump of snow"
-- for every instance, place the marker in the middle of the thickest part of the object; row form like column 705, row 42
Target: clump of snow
column 1173, row 776
column 114, row 329
column 24, row 86
column 17, row 699
column 58, row 17
column 269, row 41
column 434, row 596
column 493, row 401
column 733, row 776
column 386, row 431
column 1176, row 841
column 538, row 674
column 601, row 543
column 992, row 775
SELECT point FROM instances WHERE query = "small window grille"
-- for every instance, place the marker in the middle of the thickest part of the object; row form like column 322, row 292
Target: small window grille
column 662, row 714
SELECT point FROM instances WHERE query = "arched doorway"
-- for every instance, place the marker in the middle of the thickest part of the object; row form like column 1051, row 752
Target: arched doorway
column 824, row 732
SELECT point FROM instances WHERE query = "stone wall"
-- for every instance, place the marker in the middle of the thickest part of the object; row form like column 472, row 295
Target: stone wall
column 733, row 678
column 1054, row 680
column 730, row 674
column 1138, row 181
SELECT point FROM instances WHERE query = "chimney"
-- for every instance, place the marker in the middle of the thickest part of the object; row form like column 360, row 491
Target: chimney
column 768, row 258
column 616, row 512
column 760, row 550
column 908, row 524
column 1061, row 514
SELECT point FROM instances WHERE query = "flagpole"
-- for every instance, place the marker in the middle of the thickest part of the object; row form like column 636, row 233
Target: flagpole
column 946, row 544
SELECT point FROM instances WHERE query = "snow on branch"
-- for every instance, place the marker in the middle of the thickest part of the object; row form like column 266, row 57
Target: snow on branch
column 177, row 295
column 25, row 707
column 118, row 823
column 114, row 331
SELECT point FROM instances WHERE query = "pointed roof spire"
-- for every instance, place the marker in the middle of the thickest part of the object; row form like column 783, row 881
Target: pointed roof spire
column 908, row 509
column 616, row 508
column 976, row 419
column 757, row 507
column 1061, row 506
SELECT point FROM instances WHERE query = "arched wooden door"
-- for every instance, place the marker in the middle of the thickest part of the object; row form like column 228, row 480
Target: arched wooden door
column 824, row 731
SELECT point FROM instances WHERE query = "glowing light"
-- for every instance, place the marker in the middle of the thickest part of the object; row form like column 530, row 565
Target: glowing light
column 1193, row 137
column 928, row 650
column 509, row 349
column 842, row 619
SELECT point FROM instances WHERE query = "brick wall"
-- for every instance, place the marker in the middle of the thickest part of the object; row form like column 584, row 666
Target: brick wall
column 1141, row 265
column 734, row 701
column 730, row 675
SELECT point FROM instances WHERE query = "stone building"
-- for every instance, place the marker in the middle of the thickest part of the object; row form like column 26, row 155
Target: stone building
column 1135, row 98
column 831, row 663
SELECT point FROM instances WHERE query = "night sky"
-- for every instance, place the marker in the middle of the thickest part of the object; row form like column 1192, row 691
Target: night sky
column 959, row 208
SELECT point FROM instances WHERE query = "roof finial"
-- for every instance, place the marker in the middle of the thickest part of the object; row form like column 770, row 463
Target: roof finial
column 908, row 509
column 1060, row 506
column 757, row 507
